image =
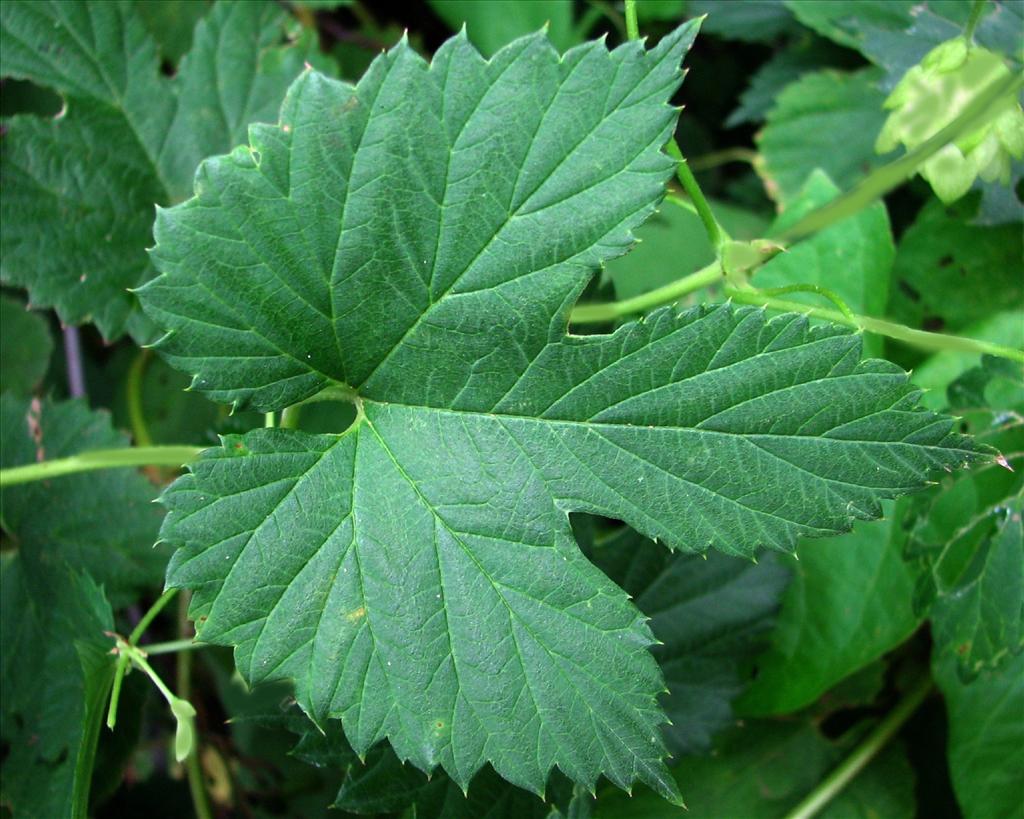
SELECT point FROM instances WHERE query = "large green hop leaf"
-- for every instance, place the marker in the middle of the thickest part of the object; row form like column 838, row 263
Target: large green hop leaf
column 79, row 189
column 416, row 243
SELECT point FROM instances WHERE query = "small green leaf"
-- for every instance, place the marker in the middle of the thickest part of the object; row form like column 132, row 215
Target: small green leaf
column 949, row 274
column 425, row 553
column 801, row 131
column 986, row 737
column 103, row 522
column 25, row 347
column 185, row 731
column 851, row 601
column 55, row 672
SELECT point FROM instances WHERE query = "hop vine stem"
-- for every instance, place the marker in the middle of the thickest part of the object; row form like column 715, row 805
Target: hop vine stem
column 868, row 749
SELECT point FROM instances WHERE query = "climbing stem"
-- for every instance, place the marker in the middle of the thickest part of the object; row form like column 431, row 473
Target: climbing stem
column 683, row 173
column 100, row 459
column 124, row 658
column 148, row 617
column 882, row 180
column 609, row 311
column 193, row 763
column 133, row 391
column 716, row 233
column 935, row 342
column 975, row 18
column 867, row 750
column 632, row 27
column 174, row 646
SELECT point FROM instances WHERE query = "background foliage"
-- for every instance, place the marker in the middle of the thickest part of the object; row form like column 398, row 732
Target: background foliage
column 775, row 670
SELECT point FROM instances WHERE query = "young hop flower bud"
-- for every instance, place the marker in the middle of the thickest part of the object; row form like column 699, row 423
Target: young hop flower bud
column 934, row 93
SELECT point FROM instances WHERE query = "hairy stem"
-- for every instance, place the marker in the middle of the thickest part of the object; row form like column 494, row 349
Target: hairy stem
column 882, row 180
column 100, row 459
column 867, row 750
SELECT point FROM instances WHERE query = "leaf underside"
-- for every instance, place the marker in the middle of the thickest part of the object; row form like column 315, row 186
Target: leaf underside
column 418, row 241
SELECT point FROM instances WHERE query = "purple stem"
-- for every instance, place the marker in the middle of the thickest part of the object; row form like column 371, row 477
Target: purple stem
column 73, row 353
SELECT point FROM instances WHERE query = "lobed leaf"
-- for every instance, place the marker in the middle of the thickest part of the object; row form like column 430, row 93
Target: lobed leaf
column 415, row 243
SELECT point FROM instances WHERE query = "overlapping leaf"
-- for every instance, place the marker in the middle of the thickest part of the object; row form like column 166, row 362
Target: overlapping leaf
column 25, row 347
column 949, row 274
column 103, row 522
column 79, row 190
column 967, row 531
column 764, row 769
column 986, row 736
column 415, row 243
column 55, row 671
column 850, row 602
column 710, row 615
column 801, row 129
